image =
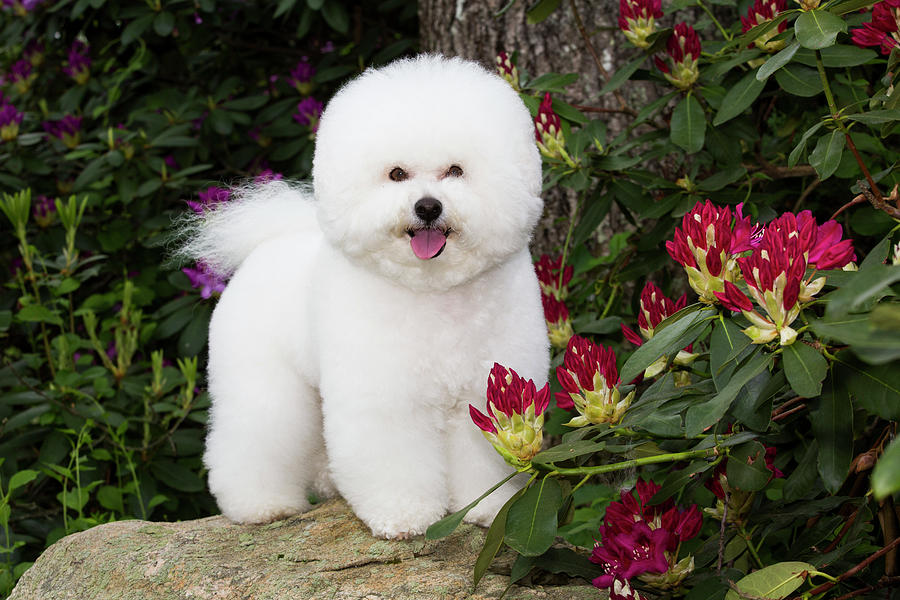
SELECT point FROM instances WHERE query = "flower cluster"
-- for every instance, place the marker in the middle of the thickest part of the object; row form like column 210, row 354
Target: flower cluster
column 34, row 53
column 775, row 274
column 655, row 308
column 209, row 198
column 640, row 540
column 637, row 20
column 553, row 278
column 10, row 119
column 21, row 75
column 22, row 7
column 761, row 12
column 515, row 419
column 308, row 112
column 78, row 66
column 206, row 279
column 44, row 211
column 707, row 245
column 682, row 52
column 884, row 28
column 301, row 76
column 507, row 70
column 67, row 129
column 548, row 132
column 590, row 382
column 559, row 325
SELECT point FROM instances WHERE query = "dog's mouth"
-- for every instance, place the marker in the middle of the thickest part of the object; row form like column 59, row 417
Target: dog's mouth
column 427, row 242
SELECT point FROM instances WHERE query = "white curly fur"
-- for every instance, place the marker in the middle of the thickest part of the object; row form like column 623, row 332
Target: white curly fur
column 338, row 359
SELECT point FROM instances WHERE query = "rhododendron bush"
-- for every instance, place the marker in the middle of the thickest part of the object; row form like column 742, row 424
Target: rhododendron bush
column 727, row 369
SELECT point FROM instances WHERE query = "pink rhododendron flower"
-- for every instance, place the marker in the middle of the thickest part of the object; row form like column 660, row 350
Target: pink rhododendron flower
column 559, row 325
column 308, row 112
column 21, row 75
column 209, row 198
column 656, row 307
column 514, row 420
column 682, row 53
column 883, row 30
column 548, row 131
column 552, row 277
column 760, row 12
column 22, row 7
column 301, row 76
column 44, row 210
column 10, row 119
column 637, row 20
column 78, row 66
column 590, row 382
column 707, row 244
column 507, row 70
column 67, row 129
column 206, row 279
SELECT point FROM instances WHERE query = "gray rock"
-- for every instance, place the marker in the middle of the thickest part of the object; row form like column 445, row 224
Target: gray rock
column 326, row 553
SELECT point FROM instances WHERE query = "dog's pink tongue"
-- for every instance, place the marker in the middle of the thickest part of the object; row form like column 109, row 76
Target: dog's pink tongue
column 427, row 243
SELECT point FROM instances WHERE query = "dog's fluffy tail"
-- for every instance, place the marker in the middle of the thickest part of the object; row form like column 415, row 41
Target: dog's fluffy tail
column 224, row 235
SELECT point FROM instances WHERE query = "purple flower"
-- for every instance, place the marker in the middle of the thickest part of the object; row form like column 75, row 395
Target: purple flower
column 209, row 198
column 327, row 47
column 308, row 112
column 66, row 129
column 20, row 75
column 267, row 175
column 204, row 278
column 34, row 53
column 23, row 7
column 301, row 76
column 10, row 118
column 79, row 63
column 44, row 210
column 170, row 162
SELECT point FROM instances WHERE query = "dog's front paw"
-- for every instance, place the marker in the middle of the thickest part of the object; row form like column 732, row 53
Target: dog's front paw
column 404, row 524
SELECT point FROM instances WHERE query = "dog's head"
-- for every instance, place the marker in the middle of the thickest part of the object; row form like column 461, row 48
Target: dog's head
column 427, row 171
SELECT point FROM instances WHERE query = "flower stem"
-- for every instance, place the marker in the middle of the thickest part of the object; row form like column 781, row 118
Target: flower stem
column 637, row 462
column 828, row 95
column 721, row 29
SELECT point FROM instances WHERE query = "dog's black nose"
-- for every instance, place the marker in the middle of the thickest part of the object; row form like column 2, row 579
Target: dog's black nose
column 428, row 209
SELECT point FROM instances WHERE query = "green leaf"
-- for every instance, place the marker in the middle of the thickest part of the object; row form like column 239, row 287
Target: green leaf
column 701, row 416
column 886, row 475
column 447, row 525
column 832, row 426
column 673, row 334
column 283, row 7
column 720, row 179
column 137, row 27
column 776, row 62
column 37, row 313
column 865, row 286
column 493, row 539
column 799, row 80
column 727, row 342
column 552, row 82
column 817, row 29
column 746, row 467
column 805, row 369
column 164, row 23
column 800, row 148
column 875, row 388
column 193, row 337
column 176, row 475
column 567, row 451
column 688, row 125
column 739, row 97
column 622, row 75
column 761, row 29
column 531, row 523
column 802, row 479
column 870, row 343
column 826, row 157
column 336, row 16
column 541, row 10
column 876, row 117
column 21, row 478
column 773, row 582
column 246, row 103
column 837, row 56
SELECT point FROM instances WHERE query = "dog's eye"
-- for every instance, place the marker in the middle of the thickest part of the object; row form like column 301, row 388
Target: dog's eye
column 398, row 174
column 454, row 171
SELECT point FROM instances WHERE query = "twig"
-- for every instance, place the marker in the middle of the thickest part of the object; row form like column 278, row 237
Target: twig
column 786, row 414
column 776, row 172
column 872, row 185
column 882, row 583
column 859, row 567
column 843, row 532
column 859, row 199
column 784, row 406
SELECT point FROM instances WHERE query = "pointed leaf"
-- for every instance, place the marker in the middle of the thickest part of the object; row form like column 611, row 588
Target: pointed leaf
column 817, row 29
column 779, row 60
column 673, row 334
column 832, row 426
column 772, row 583
column 448, row 524
column 805, row 369
column 688, row 126
column 746, row 467
column 531, row 522
column 493, row 539
column 800, row 148
column 21, row 478
column 799, row 80
column 621, row 75
column 886, row 475
column 739, row 97
column 726, row 344
column 567, row 451
column 827, row 155
column 802, row 479
column 865, row 286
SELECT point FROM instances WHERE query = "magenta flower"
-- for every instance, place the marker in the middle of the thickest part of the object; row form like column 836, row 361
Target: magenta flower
column 209, row 198
column 206, row 279
column 22, row 7
column 10, row 119
column 637, row 20
column 301, row 76
column 507, row 70
column 34, row 53
column 761, row 12
column 66, row 129
column 559, row 325
column 308, row 112
column 683, row 52
column 655, row 308
column 78, row 66
column 44, row 210
column 515, row 419
column 706, row 246
column 590, row 382
column 21, row 75
column 548, row 131
column 884, row 28
column 170, row 162
column 267, row 175
column 552, row 281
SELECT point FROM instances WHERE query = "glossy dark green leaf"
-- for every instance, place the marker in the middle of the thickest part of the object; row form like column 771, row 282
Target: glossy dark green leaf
column 739, row 97
column 773, row 582
column 720, row 179
column 671, row 335
column 867, row 284
column 875, row 388
column 688, row 125
column 493, row 539
column 832, row 425
column 802, row 480
column 871, row 344
column 177, row 475
column 336, row 16
column 746, row 467
column 805, row 369
column 621, row 75
column 799, row 80
column 753, row 405
column 800, row 148
column 678, row 479
column 702, row 416
column 726, row 344
column 774, row 63
column 567, row 451
column 193, row 337
column 886, row 475
column 817, row 29
column 826, row 157
column 531, row 522
column 164, row 23
column 136, row 28
column 447, row 525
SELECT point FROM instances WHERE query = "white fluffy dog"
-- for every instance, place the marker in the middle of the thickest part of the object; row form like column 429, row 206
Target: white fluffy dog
column 363, row 317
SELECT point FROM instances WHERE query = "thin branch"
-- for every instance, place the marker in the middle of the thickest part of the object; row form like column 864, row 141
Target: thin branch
column 859, row 567
column 859, row 199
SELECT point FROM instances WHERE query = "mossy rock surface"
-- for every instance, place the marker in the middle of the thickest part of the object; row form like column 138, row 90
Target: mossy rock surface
column 326, row 553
